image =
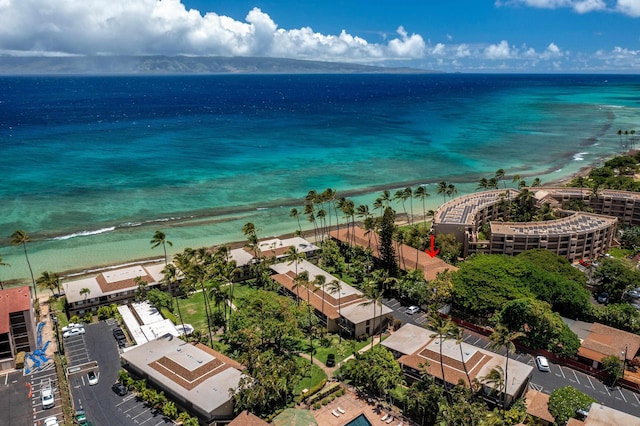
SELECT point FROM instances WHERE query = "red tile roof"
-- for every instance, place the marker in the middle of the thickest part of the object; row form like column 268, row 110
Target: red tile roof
column 17, row 299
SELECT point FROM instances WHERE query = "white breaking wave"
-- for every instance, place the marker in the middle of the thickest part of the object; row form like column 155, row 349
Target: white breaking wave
column 579, row 156
column 85, row 233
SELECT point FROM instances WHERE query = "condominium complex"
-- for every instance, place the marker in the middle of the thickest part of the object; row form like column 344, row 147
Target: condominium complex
column 477, row 222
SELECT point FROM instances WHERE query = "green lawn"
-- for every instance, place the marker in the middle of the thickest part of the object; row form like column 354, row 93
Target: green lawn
column 310, row 378
column 341, row 351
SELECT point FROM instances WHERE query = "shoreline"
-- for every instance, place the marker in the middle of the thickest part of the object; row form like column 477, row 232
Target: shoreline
column 77, row 273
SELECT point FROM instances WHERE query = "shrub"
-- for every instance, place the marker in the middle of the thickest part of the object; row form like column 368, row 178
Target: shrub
column 565, row 401
column 20, row 360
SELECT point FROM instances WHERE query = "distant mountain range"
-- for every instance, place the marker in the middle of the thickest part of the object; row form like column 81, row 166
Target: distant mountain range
column 21, row 65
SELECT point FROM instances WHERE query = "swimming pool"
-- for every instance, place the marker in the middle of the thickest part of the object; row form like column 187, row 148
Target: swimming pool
column 361, row 420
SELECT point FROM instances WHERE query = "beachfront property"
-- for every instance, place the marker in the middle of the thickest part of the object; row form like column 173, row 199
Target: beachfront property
column 408, row 257
column 17, row 325
column 274, row 248
column 145, row 323
column 117, row 286
column 196, row 377
column 348, row 312
column 574, row 235
column 417, row 348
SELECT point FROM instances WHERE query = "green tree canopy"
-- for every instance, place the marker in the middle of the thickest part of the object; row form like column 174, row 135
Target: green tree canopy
column 542, row 328
column 615, row 276
column 375, row 370
column 484, row 283
column 565, row 401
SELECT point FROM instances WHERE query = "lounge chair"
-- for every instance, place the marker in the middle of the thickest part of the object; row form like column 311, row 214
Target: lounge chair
column 389, row 420
column 335, row 413
column 385, row 417
column 341, row 411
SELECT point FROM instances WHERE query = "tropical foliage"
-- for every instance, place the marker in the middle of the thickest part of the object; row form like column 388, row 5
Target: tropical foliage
column 565, row 401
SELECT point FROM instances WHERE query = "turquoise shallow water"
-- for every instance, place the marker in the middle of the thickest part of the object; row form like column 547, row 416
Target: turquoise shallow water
column 92, row 166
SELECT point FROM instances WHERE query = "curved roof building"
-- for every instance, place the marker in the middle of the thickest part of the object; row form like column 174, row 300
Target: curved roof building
column 574, row 235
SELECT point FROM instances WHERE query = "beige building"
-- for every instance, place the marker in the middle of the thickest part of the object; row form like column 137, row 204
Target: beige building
column 196, row 377
column 417, row 348
column 113, row 286
column 17, row 325
column 349, row 309
column 574, row 235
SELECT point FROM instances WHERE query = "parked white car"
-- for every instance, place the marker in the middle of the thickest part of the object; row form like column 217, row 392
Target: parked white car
column 47, row 396
column 51, row 421
column 92, row 378
column 412, row 310
column 542, row 363
column 71, row 326
column 73, row 332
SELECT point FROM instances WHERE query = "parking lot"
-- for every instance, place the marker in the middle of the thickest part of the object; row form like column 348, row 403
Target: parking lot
column 103, row 407
column 35, row 383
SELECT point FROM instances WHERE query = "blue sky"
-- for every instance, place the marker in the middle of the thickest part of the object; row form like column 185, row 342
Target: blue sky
column 444, row 35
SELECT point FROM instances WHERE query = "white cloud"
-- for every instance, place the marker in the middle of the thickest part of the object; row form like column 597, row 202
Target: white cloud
column 166, row 27
column 629, row 7
column 498, row 51
column 626, row 7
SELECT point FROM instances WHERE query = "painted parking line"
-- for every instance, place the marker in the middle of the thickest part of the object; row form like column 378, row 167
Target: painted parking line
column 476, row 342
column 622, row 394
column 607, row 389
column 138, row 415
column 127, row 399
column 576, row 376
column 562, row 372
column 590, row 383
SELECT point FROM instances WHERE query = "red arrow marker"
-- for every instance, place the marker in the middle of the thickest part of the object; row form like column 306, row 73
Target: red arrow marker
column 431, row 252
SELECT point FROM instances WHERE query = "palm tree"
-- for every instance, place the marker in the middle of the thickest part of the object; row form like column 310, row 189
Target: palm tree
column 421, row 192
column 536, row 182
column 20, row 237
column 442, row 189
column 500, row 337
column 294, row 214
column 84, row 291
column 458, row 333
column 160, row 238
column 2, row 264
column 401, row 197
column 335, row 287
column 375, row 293
column 483, row 184
column 500, row 176
column 408, row 192
column 293, row 256
column 50, row 281
column 321, row 281
column 496, row 379
column 451, row 190
column 443, row 331
column 385, row 198
column 171, row 278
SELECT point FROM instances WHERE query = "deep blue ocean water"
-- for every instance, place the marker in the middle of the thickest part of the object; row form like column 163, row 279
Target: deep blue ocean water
column 91, row 166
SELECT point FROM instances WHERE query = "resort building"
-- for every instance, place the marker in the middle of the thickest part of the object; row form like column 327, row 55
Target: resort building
column 418, row 348
column 347, row 311
column 602, row 341
column 17, row 325
column 274, row 248
column 408, row 257
column 117, row 286
column 574, row 235
column 196, row 377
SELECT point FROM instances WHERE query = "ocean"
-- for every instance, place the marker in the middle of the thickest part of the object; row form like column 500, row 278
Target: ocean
column 92, row 166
